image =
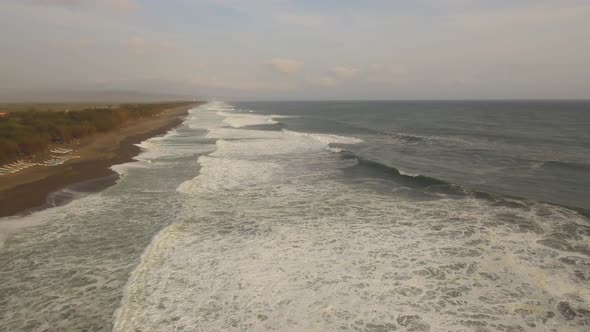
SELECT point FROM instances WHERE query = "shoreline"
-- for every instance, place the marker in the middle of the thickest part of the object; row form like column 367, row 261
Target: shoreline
column 28, row 190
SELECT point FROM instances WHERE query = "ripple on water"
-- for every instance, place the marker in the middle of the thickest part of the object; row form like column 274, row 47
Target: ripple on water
column 325, row 256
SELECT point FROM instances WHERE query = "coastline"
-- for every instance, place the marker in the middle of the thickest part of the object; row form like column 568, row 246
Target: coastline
column 28, row 190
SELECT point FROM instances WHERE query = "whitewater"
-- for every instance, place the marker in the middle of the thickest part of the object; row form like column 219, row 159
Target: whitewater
column 234, row 222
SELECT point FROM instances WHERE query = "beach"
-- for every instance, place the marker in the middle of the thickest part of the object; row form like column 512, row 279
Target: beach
column 318, row 216
column 28, row 189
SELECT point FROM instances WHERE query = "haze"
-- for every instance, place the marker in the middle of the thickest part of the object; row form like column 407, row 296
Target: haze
column 264, row 49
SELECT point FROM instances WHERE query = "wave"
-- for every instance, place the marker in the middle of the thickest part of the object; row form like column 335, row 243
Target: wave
column 562, row 165
column 239, row 120
column 268, row 142
column 257, row 227
column 259, row 130
column 226, row 133
column 228, row 174
column 275, row 126
column 79, row 190
column 326, row 139
column 408, row 138
column 412, row 178
column 438, row 186
column 232, row 166
column 432, row 185
column 452, row 141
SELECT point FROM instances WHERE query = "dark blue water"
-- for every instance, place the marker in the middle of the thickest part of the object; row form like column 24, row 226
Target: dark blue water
column 537, row 150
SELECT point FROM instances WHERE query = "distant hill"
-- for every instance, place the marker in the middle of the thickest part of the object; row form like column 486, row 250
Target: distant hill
column 120, row 96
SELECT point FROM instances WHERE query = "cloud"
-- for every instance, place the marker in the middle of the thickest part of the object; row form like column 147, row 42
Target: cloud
column 334, row 77
column 385, row 73
column 244, row 86
column 286, row 66
column 451, row 47
column 61, row 3
column 124, row 5
column 136, row 45
column 542, row 14
column 293, row 19
column 118, row 5
column 375, row 73
column 325, row 82
column 344, row 72
column 72, row 44
column 382, row 74
column 139, row 45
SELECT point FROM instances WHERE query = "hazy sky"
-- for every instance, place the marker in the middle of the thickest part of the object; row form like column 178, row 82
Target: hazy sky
column 308, row 49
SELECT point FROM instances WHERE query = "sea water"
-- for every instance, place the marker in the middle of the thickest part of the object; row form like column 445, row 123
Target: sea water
column 362, row 216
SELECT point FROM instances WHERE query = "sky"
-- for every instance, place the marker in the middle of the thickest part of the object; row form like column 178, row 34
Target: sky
column 298, row 49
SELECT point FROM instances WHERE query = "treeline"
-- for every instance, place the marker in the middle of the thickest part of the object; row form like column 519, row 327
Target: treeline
column 26, row 133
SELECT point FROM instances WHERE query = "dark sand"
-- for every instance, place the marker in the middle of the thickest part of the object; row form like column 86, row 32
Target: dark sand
column 28, row 190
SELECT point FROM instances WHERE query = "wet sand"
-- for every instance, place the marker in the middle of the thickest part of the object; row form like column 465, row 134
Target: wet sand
column 28, row 190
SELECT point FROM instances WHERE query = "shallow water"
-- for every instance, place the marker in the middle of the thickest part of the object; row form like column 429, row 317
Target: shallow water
column 246, row 221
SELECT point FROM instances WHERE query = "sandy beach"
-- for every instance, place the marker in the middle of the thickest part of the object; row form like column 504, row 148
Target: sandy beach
column 28, row 189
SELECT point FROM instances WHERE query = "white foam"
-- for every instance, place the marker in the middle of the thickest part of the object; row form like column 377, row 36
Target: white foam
column 268, row 147
column 321, row 255
column 78, row 257
column 270, row 239
column 205, row 116
column 238, row 120
column 228, row 133
column 326, row 138
column 123, row 169
column 235, row 164
column 11, row 225
column 408, row 173
column 229, row 174
column 336, row 150
column 276, row 116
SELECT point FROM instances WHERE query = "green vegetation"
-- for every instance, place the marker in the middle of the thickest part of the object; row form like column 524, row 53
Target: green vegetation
column 54, row 107
column 25, row 133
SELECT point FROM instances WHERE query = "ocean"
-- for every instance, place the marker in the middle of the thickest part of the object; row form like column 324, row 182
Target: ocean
column 321, row 216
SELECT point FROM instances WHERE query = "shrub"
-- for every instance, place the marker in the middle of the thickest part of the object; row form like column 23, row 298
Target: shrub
column 29, row 132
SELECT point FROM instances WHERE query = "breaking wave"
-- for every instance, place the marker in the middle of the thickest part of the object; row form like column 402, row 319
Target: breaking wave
column 562, row 165
column 272, row 235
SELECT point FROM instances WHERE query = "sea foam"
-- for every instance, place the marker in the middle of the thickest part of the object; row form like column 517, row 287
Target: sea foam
column 270, row 237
